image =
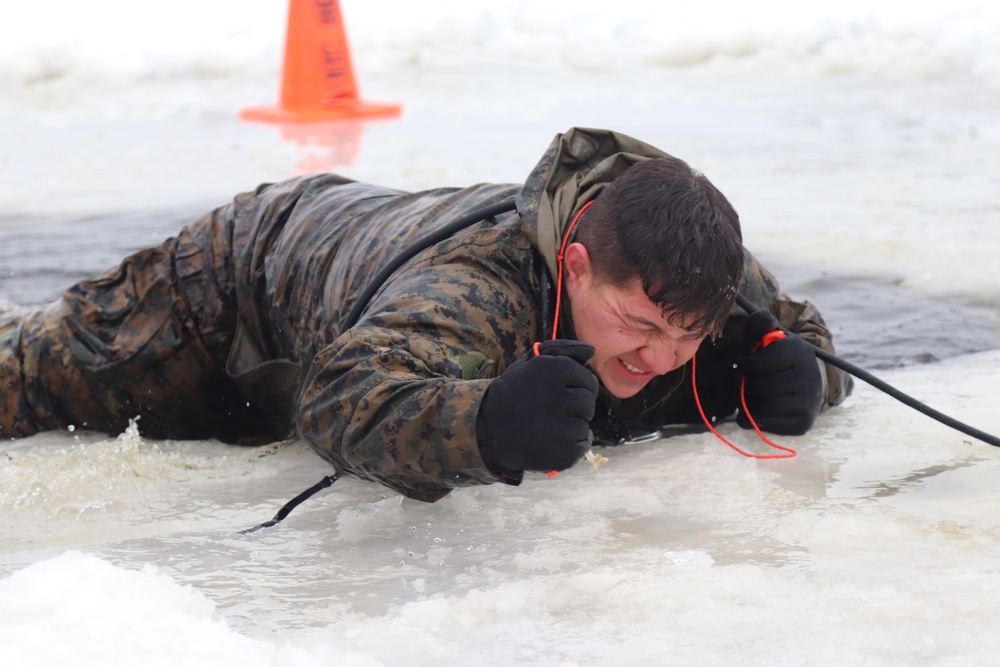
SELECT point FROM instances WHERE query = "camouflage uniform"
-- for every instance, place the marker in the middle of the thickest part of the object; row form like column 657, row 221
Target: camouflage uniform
column 233, row 329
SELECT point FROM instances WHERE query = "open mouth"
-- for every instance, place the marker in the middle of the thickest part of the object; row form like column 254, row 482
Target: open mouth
column 632, row 369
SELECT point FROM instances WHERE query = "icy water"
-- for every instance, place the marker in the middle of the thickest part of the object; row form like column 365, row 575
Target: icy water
column 867, row 180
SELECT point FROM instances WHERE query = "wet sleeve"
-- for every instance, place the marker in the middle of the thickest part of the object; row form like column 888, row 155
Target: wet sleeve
column 395, row 398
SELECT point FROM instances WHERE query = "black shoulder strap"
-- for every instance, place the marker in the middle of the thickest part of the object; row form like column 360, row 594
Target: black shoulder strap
column 354, row 314
column 418, row 247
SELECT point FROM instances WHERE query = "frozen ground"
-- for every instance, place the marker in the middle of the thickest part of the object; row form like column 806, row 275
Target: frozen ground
column 863, row 157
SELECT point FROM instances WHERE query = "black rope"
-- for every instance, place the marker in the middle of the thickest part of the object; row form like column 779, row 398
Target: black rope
column 295, row 502
column 885, row 387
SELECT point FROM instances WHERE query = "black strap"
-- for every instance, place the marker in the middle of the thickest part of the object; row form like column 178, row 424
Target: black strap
column 373, row 286
column 295, row 502
column 421, row 244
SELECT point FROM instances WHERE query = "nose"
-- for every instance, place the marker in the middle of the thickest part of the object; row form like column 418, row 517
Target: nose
column 659, row 357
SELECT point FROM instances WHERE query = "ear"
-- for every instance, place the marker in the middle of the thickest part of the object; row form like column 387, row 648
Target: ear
column 578, row 268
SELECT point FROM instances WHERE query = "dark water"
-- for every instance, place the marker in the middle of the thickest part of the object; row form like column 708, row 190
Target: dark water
column 880, row 323
column 877, row 321
column 39, row 258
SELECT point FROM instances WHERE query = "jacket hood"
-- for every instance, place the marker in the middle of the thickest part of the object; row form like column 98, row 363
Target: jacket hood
column 574, row 169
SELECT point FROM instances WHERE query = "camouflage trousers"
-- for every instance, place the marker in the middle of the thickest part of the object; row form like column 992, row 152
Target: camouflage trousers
column 148, row 339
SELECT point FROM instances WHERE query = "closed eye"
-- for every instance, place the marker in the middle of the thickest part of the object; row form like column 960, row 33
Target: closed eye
column 644, row 326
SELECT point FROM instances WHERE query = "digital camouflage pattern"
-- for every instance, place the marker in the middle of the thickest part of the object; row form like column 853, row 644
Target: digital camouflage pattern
column 232, row 330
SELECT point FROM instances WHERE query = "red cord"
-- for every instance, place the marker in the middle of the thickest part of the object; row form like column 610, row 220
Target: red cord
column 790, row 453
column 559, row 265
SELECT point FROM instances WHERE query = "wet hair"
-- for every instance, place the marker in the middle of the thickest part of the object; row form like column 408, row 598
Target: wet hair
column 667, row 225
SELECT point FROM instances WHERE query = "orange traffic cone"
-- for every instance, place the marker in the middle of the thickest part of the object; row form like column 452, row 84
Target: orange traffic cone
column 317, row 76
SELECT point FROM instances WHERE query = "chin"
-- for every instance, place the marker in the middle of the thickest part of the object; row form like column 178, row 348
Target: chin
column 623, row 392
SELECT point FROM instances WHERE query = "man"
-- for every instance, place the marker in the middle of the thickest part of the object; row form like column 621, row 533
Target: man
column 490, row 353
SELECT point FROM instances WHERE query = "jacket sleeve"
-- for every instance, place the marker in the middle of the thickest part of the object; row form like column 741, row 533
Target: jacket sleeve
column 395, row 398
column 802, row 318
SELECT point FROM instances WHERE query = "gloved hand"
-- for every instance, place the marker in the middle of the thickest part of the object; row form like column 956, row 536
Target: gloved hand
column 536, row 415
column 784, row 385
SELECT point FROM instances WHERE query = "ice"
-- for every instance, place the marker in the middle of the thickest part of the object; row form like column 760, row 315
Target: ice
column 859, row 143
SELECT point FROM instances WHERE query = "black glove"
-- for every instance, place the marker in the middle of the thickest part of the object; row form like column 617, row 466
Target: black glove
column 784, row 385
column 536, row 415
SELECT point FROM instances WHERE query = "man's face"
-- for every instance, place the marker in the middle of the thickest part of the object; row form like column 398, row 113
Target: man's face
column 631, row 335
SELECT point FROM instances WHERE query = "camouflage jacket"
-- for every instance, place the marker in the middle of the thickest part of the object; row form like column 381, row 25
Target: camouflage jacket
column 394, row 398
